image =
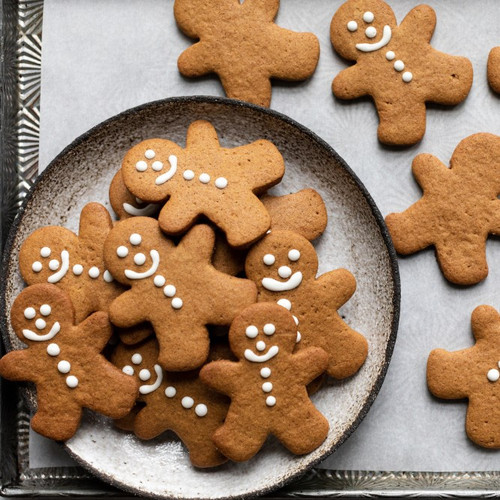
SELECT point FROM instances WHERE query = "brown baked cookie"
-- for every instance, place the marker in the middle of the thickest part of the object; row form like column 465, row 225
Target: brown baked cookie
column 267, row 386
column 458, row 209
column 473, row 373
column 284, row 265
column 241, row 44
column 396, row 65
column 173, row 401
column 63, row 360
column 206, row 179
column 494, row 69
column 175, row 288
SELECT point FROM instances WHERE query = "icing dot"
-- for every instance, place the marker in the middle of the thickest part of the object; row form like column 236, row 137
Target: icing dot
column 294, row 255
column 265, row 372
column 498, row 364
column 149, row 154
column 299, row 337
column 128, row 370
column 159, row 280
column 371, row 32
column 296, row 320
column 352, row 26
column 138, row 200
column 144, row 374
column 169, row 290
column 260, row 345
column 29, row 313
column 269, row 329
column 177, row 303
column 139, row 259
column 77, row 269
column 141, row 166
column 135, row 239
column 122, row 251
column 204, row 178
column 107, row 276
column 251, row 332
column 267, row 387
column 71, row 381
column 188, row 175
column 53, row 350
column 53, row 264
column 493, row 375
column 270, row 401
column 157, row 166
column 407, row 77
column 37, row 266
column 399, row 65
column 136, row 359
column 390, row 55
column 40, row 323
column 368, row 17
column 94, row 272
column 285, row 303
column 45, row 252
column 64, row 366
column 201, row 410
column 170, row 392
column 45, row 310
column 187, row 402
column 221, row 182
column 269, row 259
column 284, row 272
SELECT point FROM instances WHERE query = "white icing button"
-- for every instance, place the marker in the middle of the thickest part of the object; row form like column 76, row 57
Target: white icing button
column 94, row 272
column 40, row 323
column 390, row 55
column 29, row 313
column 399, row 65
column 169, row 290
column 149, row 154
column 141, row 166
column 187, row 402
column 251, row 332
column 53, row 350
column 221, row 182
column 107, row 276
column 77, row 269
column 371, row 32
column 170, row 392
column 269, row 329
column 204, row 178
column 122, row 251
column 201, row 410
column 37, row 266
column 285, row 303
column 270, row 401
column 267, row 387
column 157, row 166
column 45, row 252
column 177, row 303
column 269, row 259
column 135, row 239
column 139, row 259
column 188, row 175
column 407, row 77
column 128, row 370
column 368, row 17
column 64, row 366
column 265, row 372
column 136, row 359
column 159, row 280
column 284, row 272
column 296, row 319
column 45, row 310
column 493, row 375
column 294, row 255
column 299, row 337
column 54, row 264
column 260, row 345
column 352, row 26
column 71, row 381
column 144, row 374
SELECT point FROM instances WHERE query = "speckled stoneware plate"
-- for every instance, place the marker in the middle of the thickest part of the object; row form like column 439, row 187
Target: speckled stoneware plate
column 356, row 238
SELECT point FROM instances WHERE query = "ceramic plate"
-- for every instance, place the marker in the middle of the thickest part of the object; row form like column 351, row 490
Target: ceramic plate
column 356, row 238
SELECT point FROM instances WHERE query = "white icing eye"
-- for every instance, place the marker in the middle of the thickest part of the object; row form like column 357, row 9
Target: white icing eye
column 284, row 272
column 107, row 276
column 201, row 410
column 64, row 366
column 221, row 182
column 371, row 32
column 177, row 303
column 270, row 401
column 128, row 370
column 299, row 337
column 251, row 332
column 390, row 55
column 71, row 381
column 53, row 350
column 368, row 17
column 37, row 266
column 77, row 269
column 40, row 323
column 122, row 251
column 29, row 313
column 187, row 402
column 135, row 239
column 157, row 165
column 269, row 329
column 269, row 259
column 407, row 77
column 53, row 264
column 265, row 372
column 204, row 178
column 170, row 392
column 144, row 374
column 149, row 154
column 352, row 26
column 188, row 175
column 136, row 359
column 260, row 345
column 285, row 303
column 45, row 252
column 169, row 290
column 139, row 259
column 267, row 387
column 159, row 280
column 94, row 272
column 141, row 166
column 45, row 310
column 294, row 255
column 399, row 65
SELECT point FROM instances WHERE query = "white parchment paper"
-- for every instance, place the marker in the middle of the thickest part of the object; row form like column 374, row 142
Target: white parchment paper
column 101, row 57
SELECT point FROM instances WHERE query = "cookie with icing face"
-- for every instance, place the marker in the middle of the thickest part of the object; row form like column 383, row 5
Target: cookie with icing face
column 179, row 402
column 205, row 179
column 240, row 42
column 63, row 360
column 267, row 385
column 396, row 65
column 284, row 266
column 473, row 373
column 458, row 209
column 494, row 69
column 173, row 287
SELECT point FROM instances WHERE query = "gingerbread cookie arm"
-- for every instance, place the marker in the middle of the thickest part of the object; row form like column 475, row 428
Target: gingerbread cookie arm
column 268, row 9
column 95, row 224
column 494, row 69
column 176, row 215
column 196, row 61
column 125, row 311
column 309, row 363
column 448, row 373
column 223, row 376
column 350, row 83
column 339, row 284
column 429, row 171
column 96, row 327
column 19, row 366
column 420, row 22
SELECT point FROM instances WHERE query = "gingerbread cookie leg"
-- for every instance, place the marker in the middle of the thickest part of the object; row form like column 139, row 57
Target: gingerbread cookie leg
column 254, row 88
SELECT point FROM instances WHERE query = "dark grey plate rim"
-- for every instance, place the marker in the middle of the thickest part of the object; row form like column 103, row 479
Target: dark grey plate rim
column 236, row 105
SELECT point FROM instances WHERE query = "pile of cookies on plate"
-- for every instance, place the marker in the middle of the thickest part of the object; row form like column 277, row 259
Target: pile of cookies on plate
column 199, row 249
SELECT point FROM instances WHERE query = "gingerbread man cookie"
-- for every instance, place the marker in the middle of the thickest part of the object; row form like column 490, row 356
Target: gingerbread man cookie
column 175, row 288
column 458, row 209
column 173, row 401
column 241, row 44
column 473, row 373
column 267, row 386
column 206, row 179
column 284, row 266
column 494, row 69
column 63, row 360
column 396, row 65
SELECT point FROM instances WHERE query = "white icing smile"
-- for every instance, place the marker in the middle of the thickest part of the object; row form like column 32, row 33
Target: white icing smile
column 133, row 275
column 281, row 286
column 147, row 210
column 372, row 47
column 161, row 179
column 148, row 388
column 261, row 358
column 54, row 278
column 30, row 335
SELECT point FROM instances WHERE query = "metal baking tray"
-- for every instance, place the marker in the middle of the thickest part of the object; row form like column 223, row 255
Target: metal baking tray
column 20, row 70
